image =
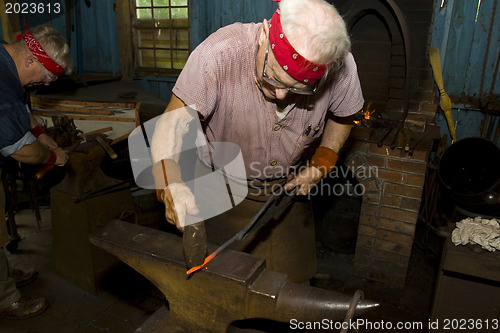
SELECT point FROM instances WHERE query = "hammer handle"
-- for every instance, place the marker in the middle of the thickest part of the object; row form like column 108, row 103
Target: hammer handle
column 381, row 142
column 107, row 148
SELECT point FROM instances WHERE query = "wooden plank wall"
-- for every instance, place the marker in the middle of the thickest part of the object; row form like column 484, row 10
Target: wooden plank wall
column 206, row 17
column 90, row 30
column 99, row 38
column 469, row 48
column 93, row 34
column 9, row 23
column 469, row 43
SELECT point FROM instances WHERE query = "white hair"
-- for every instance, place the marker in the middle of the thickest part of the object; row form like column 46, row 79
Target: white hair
column 317, row 31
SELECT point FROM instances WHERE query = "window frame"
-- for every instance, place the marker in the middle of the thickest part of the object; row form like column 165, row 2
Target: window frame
column 135, row 29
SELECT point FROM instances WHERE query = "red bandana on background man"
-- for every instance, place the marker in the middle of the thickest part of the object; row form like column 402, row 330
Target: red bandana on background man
column 40, row 53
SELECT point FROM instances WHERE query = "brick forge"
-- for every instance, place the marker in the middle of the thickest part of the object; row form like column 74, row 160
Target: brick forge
column 391, row 203
column 393, row 182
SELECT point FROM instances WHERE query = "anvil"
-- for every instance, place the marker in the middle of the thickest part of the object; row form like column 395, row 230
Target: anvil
column 233, row 286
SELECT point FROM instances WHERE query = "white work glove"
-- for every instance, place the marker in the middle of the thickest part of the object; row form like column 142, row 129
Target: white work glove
column 178, row 200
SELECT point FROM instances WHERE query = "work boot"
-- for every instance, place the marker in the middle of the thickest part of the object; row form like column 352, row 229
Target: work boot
column 25, row 307
column 22, row 278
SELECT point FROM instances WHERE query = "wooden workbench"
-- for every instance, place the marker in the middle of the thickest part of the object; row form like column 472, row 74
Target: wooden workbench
column 111, row 107
column 468, row 288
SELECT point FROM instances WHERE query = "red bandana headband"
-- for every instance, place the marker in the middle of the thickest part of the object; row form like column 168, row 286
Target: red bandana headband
column 289, row 59
column 40, row 53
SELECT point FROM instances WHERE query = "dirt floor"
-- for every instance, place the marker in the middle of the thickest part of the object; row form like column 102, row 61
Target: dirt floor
column 127, row 299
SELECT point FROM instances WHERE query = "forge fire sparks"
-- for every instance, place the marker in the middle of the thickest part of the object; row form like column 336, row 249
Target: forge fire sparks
column 366, row 113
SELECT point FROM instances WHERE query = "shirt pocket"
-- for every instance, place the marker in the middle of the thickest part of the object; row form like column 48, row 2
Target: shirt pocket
column 310, row 134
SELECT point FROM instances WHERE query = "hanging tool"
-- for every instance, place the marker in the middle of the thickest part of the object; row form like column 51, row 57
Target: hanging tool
column 401, row 139
column 407, row 139
column 276, row 203
column 396, row 137
column 444, row 99
column 381, row 142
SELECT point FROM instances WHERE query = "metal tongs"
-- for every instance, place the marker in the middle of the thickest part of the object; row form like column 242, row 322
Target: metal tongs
column 277, row 202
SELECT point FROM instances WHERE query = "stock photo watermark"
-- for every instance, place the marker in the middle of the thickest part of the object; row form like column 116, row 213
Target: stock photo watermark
column 178, row 136
column 329, row 186
column 466, row 325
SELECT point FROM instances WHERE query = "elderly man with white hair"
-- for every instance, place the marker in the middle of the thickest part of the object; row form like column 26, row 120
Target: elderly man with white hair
column 283, row 91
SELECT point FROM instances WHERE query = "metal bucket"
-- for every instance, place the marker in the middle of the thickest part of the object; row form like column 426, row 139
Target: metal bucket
column 470, row 171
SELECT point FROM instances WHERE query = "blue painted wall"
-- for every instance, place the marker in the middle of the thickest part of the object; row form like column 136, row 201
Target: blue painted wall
column 99, row 52
column 94, row 41
column 92, row 36
column 469, row 45
column 206, row 17
column 467, row 33
column 470, row 123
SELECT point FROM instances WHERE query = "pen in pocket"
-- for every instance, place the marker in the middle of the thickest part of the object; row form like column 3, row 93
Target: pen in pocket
column 308, row 129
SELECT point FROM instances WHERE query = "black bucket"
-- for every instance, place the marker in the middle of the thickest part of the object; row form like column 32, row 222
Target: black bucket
column 470, row 171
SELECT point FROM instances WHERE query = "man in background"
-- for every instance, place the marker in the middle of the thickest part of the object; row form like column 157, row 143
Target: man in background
column 38, row 57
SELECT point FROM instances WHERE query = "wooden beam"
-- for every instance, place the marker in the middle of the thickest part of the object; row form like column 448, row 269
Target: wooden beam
column 51, row 113
column 124, row 23
column 37, row 101
column 10, row 22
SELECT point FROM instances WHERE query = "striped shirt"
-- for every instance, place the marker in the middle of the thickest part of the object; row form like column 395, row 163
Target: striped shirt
column 219, row 82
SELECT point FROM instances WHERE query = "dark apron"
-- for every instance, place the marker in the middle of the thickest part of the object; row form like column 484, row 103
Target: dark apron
column 287, row 243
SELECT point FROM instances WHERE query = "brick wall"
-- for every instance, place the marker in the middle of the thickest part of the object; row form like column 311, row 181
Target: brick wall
column 392, row 197
column 393, row 183
column 378, row 48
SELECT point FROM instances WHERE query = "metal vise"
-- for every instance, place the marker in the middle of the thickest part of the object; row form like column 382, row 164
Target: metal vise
column 233, row 286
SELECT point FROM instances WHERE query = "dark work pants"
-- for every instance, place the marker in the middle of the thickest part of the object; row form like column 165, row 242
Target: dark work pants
column 287, row 242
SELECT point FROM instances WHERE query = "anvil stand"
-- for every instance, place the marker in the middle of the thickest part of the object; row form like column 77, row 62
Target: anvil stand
column 79, row 207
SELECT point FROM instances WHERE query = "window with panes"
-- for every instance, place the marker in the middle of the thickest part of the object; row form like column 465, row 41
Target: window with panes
column 161, row 34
